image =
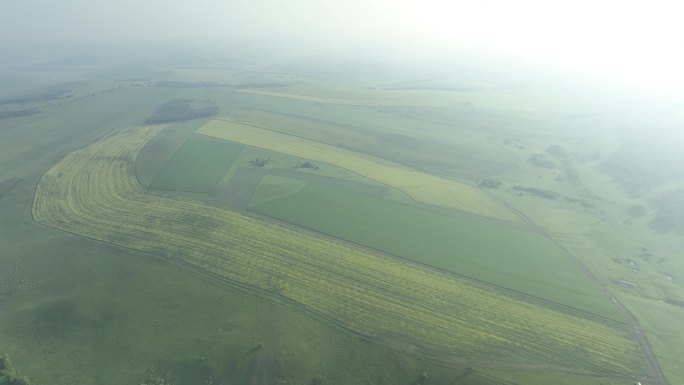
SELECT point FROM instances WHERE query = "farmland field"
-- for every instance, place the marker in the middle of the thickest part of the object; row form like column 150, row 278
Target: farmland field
column 422, row 187
column 439, row 147
column 499, row 253
column 93, row 192
column 197, row 166
column 334, row 227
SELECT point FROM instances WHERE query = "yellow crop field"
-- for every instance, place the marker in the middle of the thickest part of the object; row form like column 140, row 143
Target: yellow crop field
column 94, row 192
column 420, row 186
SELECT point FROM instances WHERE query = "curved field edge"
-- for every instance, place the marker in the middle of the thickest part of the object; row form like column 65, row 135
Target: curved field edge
column 93, row 192
column 425, row 188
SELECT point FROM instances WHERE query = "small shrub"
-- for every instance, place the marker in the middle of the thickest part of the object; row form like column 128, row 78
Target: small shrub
column 422, row 378
column 558, row 151
column 490, row 183
column 540, row 160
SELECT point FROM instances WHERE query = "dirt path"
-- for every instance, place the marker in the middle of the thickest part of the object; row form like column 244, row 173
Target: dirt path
column 635, row 326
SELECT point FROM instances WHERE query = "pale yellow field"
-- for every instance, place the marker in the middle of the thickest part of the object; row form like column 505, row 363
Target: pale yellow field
column 422, row 187
column 93, row 192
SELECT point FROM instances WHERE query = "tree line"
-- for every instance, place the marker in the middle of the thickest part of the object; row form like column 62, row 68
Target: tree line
column 179, row 110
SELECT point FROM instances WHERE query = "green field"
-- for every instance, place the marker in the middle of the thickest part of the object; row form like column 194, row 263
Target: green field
column 385, row 262
column 359, row 212
column 106, row 315
column 455, row 152
column 498, row 253
column 372, row 295
column 197, row 166
column 421, row 186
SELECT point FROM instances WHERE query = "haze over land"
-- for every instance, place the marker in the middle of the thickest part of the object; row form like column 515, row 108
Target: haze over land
column 631, row 42
column 319, row 193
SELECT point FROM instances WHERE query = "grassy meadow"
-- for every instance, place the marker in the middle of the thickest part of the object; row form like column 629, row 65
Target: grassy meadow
column 439, row 147
column 592, row 219
column 78, row 311
column 110, row 316
column 369, row 294
column 326, row 232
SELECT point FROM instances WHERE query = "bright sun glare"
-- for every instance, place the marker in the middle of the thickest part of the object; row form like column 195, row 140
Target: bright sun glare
column 637, row 42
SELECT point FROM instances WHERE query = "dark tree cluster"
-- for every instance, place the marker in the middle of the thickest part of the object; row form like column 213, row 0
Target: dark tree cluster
column 558, row 151
column 541, row 193
column 670, row 213
column 635, row 211
column 8, row 375
column 582, row 202
column 177, row 84
column 18, row 113
column 50, row 95
column 307, row 164
column 490, row 183
column 540, row 160
column 645, row 162
column 180, row 110
column 260, row 162
column 261, row 85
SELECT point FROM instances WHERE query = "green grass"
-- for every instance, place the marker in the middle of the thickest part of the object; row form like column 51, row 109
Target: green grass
column 197, row 166
column 663, row 326
column 129, row 312
column 371, row 294
column 132, row 312
column 273, row 187
column 498, row 253
column 455, row 152
column 191, row 328
column 159, row 150
column 422, row 187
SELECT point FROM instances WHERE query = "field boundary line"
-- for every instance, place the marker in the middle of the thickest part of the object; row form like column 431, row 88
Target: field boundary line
column 514, row 294
column 635, row 327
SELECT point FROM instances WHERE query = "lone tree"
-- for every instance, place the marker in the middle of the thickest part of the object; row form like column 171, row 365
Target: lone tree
column 260, row 162
column 307, row 164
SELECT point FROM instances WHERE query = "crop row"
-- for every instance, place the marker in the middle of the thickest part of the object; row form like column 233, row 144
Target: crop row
column 94, row 192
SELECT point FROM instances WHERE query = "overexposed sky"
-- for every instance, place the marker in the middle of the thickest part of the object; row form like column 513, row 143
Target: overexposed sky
column 638, row 42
